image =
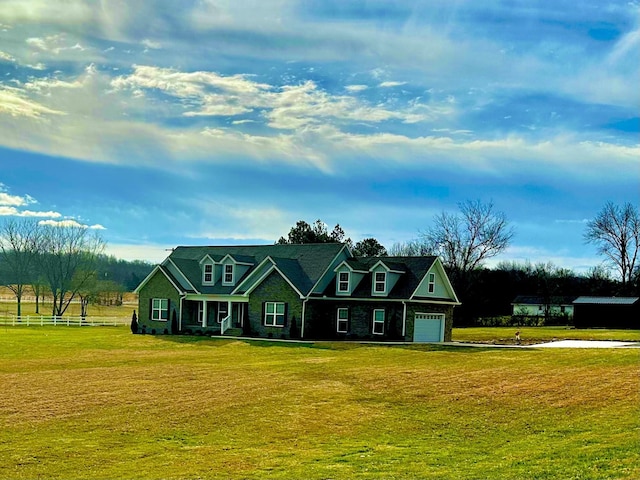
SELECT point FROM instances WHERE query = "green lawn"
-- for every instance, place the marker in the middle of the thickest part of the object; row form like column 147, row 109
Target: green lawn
column 101, row 403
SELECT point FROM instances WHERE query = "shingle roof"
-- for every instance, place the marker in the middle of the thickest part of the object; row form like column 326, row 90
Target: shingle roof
column 302, row 264
column 606, row 300
column 414, row 268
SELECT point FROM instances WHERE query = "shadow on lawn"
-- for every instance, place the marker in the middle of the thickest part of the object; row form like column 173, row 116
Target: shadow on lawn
column 320, row 344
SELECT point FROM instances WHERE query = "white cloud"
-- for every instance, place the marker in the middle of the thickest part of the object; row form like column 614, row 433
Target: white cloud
column 151, row 44
column 70, row 223
column 4, row 56
column 14, row 103
column 356, row 88
column 14, row 212
column 391, row 84
column 15, row 200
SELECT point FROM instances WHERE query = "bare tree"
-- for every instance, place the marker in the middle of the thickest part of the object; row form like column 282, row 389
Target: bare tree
column 410, row 248
column 616, row 232
column 465, row 240
column 68, row 261
column 19, row 246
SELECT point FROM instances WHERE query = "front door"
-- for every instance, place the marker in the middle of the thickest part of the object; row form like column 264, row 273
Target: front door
column 223, row 311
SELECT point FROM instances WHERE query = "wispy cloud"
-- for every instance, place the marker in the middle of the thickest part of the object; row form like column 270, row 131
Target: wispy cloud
column 70, row 223
column 391, row 84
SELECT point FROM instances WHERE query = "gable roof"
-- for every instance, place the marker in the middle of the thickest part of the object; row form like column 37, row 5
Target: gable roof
column 539, row 300
column 303, row 264
column 168, row 275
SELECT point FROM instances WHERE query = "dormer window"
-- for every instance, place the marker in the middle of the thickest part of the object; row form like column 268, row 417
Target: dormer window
column 343, row 282
column 432, row 282
column 380, row 282
column 228, row 274
column 207, row 273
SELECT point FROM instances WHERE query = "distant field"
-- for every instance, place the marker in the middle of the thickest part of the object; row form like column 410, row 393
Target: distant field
column 100, row 403
column 8, row 307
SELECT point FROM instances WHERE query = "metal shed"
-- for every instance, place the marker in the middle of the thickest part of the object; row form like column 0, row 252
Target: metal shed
column 606, row 312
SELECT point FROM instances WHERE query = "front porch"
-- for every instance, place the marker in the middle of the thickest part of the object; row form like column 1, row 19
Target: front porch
column 212, row 316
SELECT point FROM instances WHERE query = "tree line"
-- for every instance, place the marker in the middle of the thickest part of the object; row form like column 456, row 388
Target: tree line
column 465, row 240
column 65, row 263
column 68, row 263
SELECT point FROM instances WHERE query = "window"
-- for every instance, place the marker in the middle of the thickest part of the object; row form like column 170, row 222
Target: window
column 274, row 314
column 380, row 282
column 343, row 281
column 343, row 320
column 159, row 309
column 432, row 282
column 200, row 311
column 207, row 274
column 378, row 322
column 228, row 274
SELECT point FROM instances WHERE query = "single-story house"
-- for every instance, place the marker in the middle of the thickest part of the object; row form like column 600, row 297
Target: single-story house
column 539, row 306
column 607, row 312
column 308, row 291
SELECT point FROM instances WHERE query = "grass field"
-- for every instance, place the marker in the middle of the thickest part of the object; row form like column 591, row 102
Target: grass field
column 101, row 403
column 9, row 307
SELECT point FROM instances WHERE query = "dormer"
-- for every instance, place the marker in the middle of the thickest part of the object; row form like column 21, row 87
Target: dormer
column 232, row 269
column 383, row 278
column 348, row 276
column 208, row 268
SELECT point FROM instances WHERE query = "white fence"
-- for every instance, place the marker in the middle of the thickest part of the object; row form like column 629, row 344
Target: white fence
column 66, row 321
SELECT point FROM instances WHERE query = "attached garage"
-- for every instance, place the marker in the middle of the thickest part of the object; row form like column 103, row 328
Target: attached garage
column 428, row 327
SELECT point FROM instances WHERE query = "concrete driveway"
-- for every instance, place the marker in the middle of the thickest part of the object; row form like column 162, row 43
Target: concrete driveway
column 585, row 344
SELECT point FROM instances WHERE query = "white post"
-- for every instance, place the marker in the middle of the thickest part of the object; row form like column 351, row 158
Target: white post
column 204, row 314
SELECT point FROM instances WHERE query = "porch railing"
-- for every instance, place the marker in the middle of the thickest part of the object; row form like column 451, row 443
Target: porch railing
column 225, row 324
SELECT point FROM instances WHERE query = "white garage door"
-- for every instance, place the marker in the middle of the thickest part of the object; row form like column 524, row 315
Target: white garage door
column 428, row 327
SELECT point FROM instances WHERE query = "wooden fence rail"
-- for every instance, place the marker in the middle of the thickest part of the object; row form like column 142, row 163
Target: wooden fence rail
column 66, row 321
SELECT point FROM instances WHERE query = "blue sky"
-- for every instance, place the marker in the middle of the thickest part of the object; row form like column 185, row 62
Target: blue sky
column 166, row 123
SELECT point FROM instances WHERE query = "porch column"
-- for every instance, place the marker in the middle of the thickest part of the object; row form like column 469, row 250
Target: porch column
column 204, row 313
column 229, row 312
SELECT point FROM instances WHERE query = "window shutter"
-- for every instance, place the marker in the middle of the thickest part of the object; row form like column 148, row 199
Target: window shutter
column 150, row 308
column 264, row 310
column 286, row 314
column 168, row 309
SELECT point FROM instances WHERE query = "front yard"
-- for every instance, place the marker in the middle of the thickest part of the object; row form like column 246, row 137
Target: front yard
column 98, row 402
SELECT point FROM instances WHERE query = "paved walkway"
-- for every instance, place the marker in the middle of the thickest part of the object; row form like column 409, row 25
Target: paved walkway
column 586, row 344
column 556, row 344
